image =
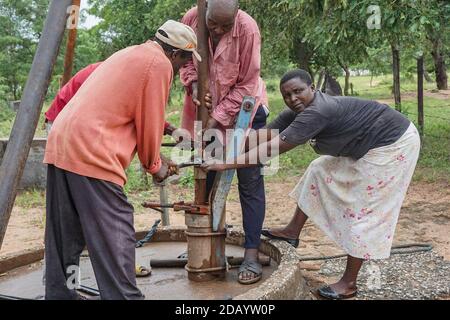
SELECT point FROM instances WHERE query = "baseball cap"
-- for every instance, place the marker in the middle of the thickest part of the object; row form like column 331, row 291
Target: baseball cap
column 179, row 36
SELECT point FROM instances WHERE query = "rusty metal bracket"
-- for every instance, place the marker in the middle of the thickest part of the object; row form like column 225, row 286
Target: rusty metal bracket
column 179, row 206
column 209, row 234
column 188, row 269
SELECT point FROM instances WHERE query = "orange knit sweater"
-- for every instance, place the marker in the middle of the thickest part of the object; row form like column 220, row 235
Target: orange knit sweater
column 118, row 110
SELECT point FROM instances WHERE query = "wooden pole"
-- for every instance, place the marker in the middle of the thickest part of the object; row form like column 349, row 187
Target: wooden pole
column 396, row 76
column 29, row 111
column 420, row 71
column 71, row 41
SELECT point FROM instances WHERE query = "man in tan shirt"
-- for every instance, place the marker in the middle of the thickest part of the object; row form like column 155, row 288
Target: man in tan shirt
column 117, row 112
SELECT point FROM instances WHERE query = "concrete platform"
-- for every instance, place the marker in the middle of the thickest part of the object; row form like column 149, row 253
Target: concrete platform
column 282, row 279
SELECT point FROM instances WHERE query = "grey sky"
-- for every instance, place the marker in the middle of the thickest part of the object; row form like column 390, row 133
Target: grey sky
column 91, row 20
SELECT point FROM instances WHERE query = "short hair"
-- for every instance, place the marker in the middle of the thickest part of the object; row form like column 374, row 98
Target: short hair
column 168, row 48
column 297, row 73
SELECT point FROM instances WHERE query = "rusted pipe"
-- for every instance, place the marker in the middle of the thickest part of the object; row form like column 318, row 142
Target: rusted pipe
column 71, row 41
column 203, row 264
column 181, row 263
column 30, row 107
column 203, row 87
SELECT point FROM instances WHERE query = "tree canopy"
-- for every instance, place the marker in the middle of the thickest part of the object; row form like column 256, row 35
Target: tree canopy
column 318, row 35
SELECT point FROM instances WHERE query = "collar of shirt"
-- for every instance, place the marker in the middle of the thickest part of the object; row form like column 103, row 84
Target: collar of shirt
column 226, row 38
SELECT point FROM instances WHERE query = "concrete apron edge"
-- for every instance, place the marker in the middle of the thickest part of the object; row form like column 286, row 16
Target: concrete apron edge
column 286, row 282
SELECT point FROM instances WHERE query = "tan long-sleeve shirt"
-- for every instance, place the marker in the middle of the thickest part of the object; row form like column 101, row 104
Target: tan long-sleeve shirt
column 118, row 110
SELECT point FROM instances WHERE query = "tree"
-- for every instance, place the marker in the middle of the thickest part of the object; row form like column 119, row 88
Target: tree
column 21, row 23
column 319, row 34
column 435, row 17
column 130, row 22
column 407, row 24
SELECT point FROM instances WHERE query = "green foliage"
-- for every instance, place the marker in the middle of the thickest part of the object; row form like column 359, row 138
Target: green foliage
column 6, row 114
column 6, row 121
column 312, row 34
column 3, row 92
column 21, row 22
column 187, row 179
column 130, row 22
column 28, row 199
column 123, row 23
column 137, row 179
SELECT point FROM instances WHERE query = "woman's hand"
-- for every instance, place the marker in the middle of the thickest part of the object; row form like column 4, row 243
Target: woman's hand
column 212, row 166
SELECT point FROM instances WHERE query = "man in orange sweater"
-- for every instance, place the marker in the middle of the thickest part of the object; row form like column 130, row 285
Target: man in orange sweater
column 117, row 112
column 70, row 89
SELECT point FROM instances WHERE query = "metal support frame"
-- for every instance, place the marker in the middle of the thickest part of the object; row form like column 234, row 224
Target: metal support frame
column 27, row 117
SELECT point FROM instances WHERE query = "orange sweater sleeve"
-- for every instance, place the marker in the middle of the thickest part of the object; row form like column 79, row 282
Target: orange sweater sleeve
column 149, row 118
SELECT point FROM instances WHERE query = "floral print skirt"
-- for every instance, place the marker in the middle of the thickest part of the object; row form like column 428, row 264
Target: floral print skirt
column 357, row 202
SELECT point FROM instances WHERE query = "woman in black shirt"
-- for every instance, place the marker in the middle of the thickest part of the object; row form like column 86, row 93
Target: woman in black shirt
column 355, row 189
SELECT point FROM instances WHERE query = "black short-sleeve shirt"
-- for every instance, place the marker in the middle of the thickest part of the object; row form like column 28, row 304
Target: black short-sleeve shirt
column 342, row 126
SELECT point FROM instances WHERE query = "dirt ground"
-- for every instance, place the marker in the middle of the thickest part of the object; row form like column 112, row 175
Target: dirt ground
column 408, row 96
column 425, row 217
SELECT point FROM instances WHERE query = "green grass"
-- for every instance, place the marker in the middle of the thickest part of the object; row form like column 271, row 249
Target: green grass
column 6, row 120
column 7, row 117
column 28, row 199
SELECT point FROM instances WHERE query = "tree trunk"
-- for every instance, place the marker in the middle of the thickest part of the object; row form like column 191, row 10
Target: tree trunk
column 420, row 93
column 396, row 76
column 371, row 79
column 331, row 86
column 320, row 80
column 347, row 81
column 426, row 74
column 439, row 65
column 303, row 56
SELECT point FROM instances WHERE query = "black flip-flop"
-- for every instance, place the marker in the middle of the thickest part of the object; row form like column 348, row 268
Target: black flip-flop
column 328, row 293
column 292, row 242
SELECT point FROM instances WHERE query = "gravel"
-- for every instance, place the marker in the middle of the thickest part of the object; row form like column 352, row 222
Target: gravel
column 416, row 276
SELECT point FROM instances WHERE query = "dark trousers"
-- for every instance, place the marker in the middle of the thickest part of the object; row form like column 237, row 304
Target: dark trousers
column 81, row 212
column 251, row 193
